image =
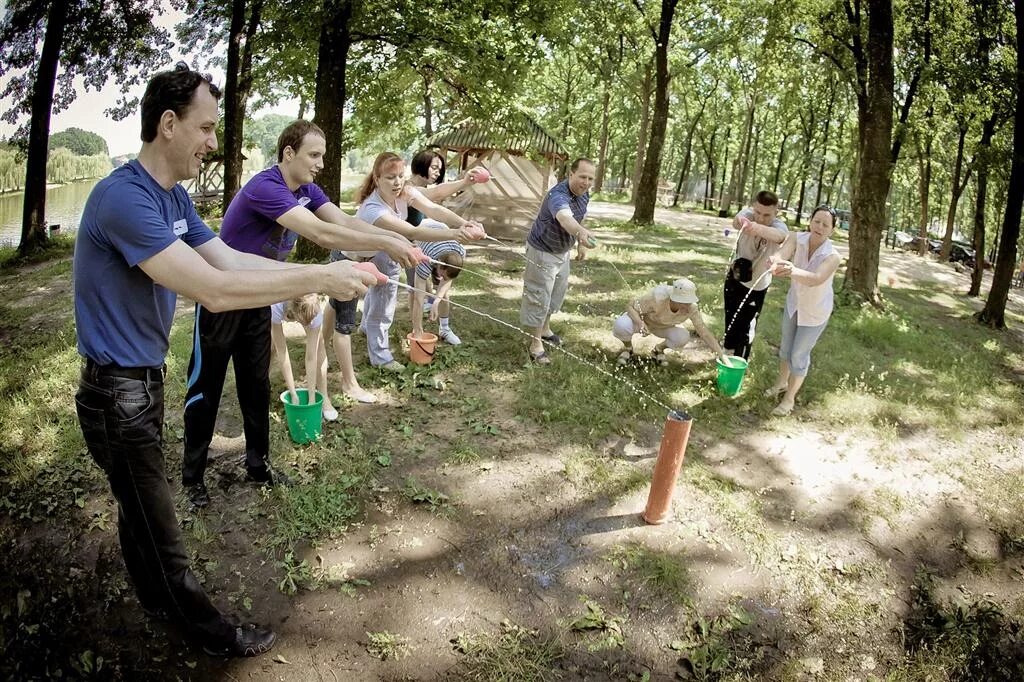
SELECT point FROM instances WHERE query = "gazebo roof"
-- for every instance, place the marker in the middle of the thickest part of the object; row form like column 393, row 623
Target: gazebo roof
column 520, row 134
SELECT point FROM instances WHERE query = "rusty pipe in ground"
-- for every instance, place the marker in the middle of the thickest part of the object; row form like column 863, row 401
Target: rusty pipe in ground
column 666, row 468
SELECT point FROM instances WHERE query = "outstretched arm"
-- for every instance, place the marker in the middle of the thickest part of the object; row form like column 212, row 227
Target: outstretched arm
column 281, row 351
column 569, row 223
column 705, row 335
column 312, row 361
column 186, row 271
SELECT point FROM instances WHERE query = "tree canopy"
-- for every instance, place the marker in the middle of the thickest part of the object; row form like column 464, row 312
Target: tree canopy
column 78, row 141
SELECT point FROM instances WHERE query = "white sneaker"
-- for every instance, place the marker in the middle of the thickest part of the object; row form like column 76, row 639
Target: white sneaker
column 393, row 366
column 449, row 337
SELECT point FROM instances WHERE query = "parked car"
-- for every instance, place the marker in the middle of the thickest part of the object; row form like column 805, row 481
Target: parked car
column 962, row 253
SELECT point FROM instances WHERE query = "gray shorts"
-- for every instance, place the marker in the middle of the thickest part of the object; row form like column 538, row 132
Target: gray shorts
column 544, row 285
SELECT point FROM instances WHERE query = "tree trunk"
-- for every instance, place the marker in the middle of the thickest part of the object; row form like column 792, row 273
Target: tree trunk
column 923, row 187
column 602, row 154
column 647, row 192
column 874, row 172
column 725, row 164
column 33, row 220
column 739, row 170
column 753, row 168
column 428, row 110
column 987, row 131
column 779, row 162
column 956, row 188
column 994, row 312
column 332, row 59
column 824, row 145
column 709, row 177
column 641, row 138
column 687, row 155
column 237, row 84
column 303, row 105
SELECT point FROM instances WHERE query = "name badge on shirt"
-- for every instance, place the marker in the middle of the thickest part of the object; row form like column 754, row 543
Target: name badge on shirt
column 180, row 227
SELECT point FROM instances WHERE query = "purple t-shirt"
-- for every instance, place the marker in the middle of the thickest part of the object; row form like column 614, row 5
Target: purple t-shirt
column 250, row 224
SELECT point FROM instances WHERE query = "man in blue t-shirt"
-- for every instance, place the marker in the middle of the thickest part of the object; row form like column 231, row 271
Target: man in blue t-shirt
column 139, row 242
column 555, row 230
column 265, row 218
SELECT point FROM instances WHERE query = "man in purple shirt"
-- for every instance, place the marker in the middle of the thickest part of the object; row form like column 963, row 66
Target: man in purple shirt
column 265, row 218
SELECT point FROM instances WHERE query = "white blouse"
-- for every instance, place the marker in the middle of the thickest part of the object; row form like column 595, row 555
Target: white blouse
column 812, row 305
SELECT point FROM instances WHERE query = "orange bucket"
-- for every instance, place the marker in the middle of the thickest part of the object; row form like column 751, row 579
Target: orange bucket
column 421, row 348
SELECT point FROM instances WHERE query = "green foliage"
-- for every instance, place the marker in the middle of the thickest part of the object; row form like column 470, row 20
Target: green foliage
column 434, row 499
column 608, row 629
column 707, row 650
column 314, row 511
column 263, row 132
column 973, row 642
column 386, row 645
column 79, row 142
column 658, row 572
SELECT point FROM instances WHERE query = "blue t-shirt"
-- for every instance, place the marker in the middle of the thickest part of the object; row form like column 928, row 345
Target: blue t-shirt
column 250, row 223
column 122, row 316
column 547, row 234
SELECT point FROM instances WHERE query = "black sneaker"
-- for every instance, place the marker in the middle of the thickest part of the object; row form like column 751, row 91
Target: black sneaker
column 198, row 495
column 267, row 476
column 250, row 640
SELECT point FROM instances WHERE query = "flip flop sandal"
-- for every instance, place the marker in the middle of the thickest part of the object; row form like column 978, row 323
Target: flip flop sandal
column 540, row 358
column 554, row 339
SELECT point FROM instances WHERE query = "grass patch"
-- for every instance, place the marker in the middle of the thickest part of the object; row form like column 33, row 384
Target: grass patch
column 598, row 474
column 708, row 651
column 57, row 246
column 386, row 645
column 435, row 500
column 515, row 654
column 660, row 573
column 976, row 641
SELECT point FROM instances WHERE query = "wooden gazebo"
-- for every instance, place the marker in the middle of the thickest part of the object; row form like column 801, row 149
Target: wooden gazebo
column 521, row 157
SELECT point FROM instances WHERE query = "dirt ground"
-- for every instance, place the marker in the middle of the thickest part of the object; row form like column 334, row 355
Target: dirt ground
column 525, row 541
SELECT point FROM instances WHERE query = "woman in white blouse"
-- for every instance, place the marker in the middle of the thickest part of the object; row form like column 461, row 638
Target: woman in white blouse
column 810, row 260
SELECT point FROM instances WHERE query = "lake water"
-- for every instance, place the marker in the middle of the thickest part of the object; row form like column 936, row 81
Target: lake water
column 64, row 206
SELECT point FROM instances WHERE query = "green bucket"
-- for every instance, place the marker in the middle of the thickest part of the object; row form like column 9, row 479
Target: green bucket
column 304, row 418
column 730, row 376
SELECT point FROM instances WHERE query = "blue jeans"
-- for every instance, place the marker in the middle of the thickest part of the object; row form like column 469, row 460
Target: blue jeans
column 121, row 412
column 797, row 343
column 379, row 311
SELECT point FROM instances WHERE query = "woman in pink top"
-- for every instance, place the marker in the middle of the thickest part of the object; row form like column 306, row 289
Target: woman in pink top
column 810, row 261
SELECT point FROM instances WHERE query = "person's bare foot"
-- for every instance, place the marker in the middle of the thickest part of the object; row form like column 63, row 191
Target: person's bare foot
column 782, row 409
column 774, row 392
column 359, row 395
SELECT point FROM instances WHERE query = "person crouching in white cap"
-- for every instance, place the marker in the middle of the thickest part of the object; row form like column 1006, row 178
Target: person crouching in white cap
column 662, row 311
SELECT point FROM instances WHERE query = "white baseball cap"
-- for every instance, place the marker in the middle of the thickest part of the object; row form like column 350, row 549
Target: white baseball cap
column 683, row 291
